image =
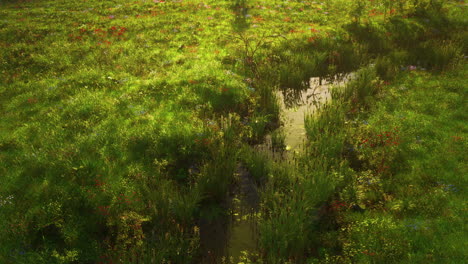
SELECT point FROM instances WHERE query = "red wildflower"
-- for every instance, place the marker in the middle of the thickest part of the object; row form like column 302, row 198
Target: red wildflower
column 98, row 183
column 103, row 210
column 368, row 253
column 258, row 19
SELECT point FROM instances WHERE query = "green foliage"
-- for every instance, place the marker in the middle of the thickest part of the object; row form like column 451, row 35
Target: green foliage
column 277, row 140
column 408, row 176
column 258, row 163
column 216, row 175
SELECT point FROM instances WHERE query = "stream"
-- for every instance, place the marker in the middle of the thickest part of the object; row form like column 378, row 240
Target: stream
column 225, row 238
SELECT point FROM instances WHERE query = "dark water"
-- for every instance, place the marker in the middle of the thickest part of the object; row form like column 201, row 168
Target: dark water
column 225, row 238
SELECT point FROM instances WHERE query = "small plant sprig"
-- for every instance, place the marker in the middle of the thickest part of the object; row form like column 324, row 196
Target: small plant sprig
column 250, row 48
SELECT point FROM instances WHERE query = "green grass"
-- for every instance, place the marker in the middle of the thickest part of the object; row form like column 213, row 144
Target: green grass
column 412, row 181
column 122, row 123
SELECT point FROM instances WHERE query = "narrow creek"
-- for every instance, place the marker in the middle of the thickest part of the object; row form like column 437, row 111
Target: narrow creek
column 224, row 239
column 294, row 106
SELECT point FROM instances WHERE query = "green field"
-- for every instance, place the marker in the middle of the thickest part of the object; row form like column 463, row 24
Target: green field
column 130, row 131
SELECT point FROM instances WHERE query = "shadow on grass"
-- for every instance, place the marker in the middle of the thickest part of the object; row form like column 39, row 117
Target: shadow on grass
column 240, row 23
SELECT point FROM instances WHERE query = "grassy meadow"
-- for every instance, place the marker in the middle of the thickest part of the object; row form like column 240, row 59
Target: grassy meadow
column 123, row 123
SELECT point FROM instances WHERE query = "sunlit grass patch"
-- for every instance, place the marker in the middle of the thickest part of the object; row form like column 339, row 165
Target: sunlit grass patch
column 414, row 171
